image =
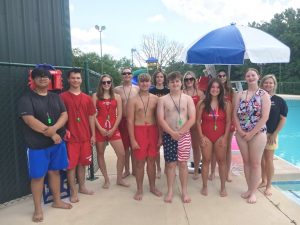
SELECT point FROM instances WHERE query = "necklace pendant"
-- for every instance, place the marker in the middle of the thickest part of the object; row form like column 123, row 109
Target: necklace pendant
column 49, row 121
column 180, row 122
column 108, row 117
column 215, row 127
column 78, row 119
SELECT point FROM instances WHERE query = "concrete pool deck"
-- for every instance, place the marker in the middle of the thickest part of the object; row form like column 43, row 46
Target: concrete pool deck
column 116, row 205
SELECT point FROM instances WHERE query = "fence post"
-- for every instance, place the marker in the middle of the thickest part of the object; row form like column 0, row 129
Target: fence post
column 87, row 90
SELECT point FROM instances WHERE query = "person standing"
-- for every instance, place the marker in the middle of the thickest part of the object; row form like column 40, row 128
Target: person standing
column 190, row 88
column 81, row 125
column 176, row 112
column 144, row 135
column 275, row 123
column 109, row 114
column 213, row 120
column 44, row 116
column 229, row 96
column 159, row 89
column 127, row 90
column 251, row 114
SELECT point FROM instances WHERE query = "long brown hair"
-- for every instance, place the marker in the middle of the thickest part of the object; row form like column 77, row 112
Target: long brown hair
column 208, row 97
column 100, row 91
column 227, row 85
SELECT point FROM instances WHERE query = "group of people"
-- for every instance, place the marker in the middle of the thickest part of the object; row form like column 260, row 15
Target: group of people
column 137, row 120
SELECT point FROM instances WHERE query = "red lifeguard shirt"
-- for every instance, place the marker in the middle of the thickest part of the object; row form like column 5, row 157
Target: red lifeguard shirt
column 79, row 108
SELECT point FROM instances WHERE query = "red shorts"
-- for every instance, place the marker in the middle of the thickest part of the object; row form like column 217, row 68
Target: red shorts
column 100, row 138
column 147, row 138
column 124, row 133
column 79, row 153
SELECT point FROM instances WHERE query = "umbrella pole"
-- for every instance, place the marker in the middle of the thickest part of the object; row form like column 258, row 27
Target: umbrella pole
column 228, row 71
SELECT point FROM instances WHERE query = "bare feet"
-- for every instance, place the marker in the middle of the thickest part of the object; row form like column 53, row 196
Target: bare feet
column 138, row 195
column 74, row 198
column 228, row 179
column 245, row 195
column 211, row 176
column 186, row 198
column 38, row 216
column 106, row 185
column 169, row 198
column 122, row 183
column 156, row 192
column 158, row 174
column 223, row 193
column 195, row 176
column 61, row 205
column 251, row 199
column 125, row 174
column 268, row 192
column 204, row 191
column 84, row 190
column 262, row 184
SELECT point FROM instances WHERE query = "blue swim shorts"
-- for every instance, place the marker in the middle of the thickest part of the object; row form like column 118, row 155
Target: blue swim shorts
column 51, row 158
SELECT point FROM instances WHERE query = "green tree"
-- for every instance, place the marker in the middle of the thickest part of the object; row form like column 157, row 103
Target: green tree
column 286, row 28
column 110, row 65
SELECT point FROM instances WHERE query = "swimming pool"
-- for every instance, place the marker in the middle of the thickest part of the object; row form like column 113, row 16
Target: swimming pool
column 291, row 189
column 289, row 137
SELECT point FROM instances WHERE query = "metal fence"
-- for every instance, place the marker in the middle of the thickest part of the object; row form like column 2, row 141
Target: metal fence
column 14, row 181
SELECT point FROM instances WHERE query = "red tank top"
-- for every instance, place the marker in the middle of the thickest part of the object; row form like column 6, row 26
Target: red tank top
column 106, row 112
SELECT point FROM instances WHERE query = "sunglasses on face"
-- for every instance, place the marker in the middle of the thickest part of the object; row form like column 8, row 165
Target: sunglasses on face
column 106, row 82
column 189, row 79
column 221, row 75
column 126, row 73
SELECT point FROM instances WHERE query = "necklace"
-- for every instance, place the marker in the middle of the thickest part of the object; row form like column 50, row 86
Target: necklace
column 49, row 119
column 77, row 107
column 145, row 107
column 215, row 115
column 127, row 97
column 177, row 109
column 107, row 107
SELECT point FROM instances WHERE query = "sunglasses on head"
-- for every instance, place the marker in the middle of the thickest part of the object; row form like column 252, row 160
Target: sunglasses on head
column 126, row 73
column 221, row 75
column 106, row 82
column 189, row 79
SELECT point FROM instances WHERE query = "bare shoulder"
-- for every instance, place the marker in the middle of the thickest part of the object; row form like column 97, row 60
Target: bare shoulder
column 117, row 89
column 117, row 96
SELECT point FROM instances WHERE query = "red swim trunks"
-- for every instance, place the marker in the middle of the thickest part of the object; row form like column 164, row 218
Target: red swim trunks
column 124, row 133
column 147, row 138
column 79, row 153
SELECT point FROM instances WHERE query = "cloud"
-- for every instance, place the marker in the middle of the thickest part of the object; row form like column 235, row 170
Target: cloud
column 88, row 40
column 72, row 7
column 223, row 12
column 156, row 18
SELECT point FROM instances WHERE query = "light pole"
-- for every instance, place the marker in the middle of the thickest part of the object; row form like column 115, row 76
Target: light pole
column 132, row 51
column 100, row 29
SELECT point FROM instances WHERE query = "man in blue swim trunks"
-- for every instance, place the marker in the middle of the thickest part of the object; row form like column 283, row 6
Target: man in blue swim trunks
column 44, row 116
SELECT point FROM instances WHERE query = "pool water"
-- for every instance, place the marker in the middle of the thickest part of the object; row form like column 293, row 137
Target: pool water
column 289, row 137
column 289, row 188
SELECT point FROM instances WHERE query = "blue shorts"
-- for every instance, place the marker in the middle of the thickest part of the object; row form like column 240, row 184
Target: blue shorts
column 170, row 148
column 51, row 158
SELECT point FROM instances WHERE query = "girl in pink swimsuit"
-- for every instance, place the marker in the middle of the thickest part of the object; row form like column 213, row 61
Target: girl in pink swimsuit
column 190, row 88
column 109, row 114
column 213, row 123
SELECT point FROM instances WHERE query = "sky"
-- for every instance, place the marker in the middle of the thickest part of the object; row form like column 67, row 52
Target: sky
column 183, row 21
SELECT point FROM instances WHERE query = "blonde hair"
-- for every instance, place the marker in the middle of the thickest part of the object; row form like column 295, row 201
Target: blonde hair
column 144, row 77
column 193, row 75
column 272, row 76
